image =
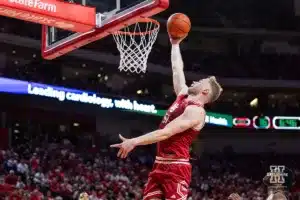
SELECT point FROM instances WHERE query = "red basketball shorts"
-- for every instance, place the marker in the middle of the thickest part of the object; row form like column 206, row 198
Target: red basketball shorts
column 169, row 179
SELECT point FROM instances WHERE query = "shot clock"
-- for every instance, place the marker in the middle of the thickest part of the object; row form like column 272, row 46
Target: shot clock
column 287, row 123
column 263, row 122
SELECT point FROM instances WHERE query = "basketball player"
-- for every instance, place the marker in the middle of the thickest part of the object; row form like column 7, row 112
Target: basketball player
column 273, row 196
column 171, row 174
column 278, row 196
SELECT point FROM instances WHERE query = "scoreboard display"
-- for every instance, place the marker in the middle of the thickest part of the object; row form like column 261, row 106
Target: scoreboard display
column 288, row 123
column 267, row 122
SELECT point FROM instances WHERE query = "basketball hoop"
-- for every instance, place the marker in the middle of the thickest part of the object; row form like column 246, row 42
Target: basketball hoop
column 134, row 43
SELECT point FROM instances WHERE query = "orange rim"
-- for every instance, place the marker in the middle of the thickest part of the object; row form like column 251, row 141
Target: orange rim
column 141, row 20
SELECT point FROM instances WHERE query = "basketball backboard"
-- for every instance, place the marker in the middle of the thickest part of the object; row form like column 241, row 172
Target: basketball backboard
column 112, row 15
column 57, row 13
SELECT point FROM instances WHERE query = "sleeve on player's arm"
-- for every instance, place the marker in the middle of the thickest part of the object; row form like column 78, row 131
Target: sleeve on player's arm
column 179, row 83
column 193, row 117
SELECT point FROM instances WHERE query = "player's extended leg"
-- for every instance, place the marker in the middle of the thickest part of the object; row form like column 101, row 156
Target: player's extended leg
column 175, row 190
column 152, row 190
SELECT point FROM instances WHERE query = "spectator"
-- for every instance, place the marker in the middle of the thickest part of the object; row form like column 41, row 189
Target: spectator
column 16, row 195
column 49, row 195
column 36, row 195
column 20, row 184
column 11, row 178
column 22, row 168
column 34, row 162
column 93, row 196
column 39, row 178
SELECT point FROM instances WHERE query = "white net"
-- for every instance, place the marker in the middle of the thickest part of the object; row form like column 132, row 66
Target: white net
column 135, row 43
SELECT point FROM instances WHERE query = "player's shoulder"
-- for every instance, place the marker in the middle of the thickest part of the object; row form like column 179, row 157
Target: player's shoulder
column 196, row 114
column 195, row 110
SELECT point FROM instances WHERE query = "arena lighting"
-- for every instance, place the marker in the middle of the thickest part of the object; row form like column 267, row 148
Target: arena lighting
column 254, row 102
column 66, row 94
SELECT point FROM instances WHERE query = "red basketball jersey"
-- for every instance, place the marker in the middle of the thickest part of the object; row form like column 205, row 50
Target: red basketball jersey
column 178, row 145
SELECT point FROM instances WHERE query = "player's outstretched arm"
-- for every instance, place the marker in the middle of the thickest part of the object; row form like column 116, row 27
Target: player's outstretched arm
column 179, row 83
column 193, row 117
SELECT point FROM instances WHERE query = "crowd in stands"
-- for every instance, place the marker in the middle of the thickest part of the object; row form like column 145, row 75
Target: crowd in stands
column 59, row 170
column 56, row 171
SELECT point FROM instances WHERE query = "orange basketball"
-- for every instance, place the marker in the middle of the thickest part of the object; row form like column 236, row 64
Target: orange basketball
column 178, row 25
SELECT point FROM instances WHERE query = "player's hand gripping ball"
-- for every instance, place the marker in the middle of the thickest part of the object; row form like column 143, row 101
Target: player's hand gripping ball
column 178, row 25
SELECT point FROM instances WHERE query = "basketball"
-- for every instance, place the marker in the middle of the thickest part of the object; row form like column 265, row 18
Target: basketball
column 178, row 25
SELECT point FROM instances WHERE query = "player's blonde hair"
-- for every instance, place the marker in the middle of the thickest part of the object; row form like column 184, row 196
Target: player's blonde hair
column 216, row 89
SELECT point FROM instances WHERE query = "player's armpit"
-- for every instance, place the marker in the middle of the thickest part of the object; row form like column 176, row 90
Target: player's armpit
column 179, row 83
column 193, row 117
